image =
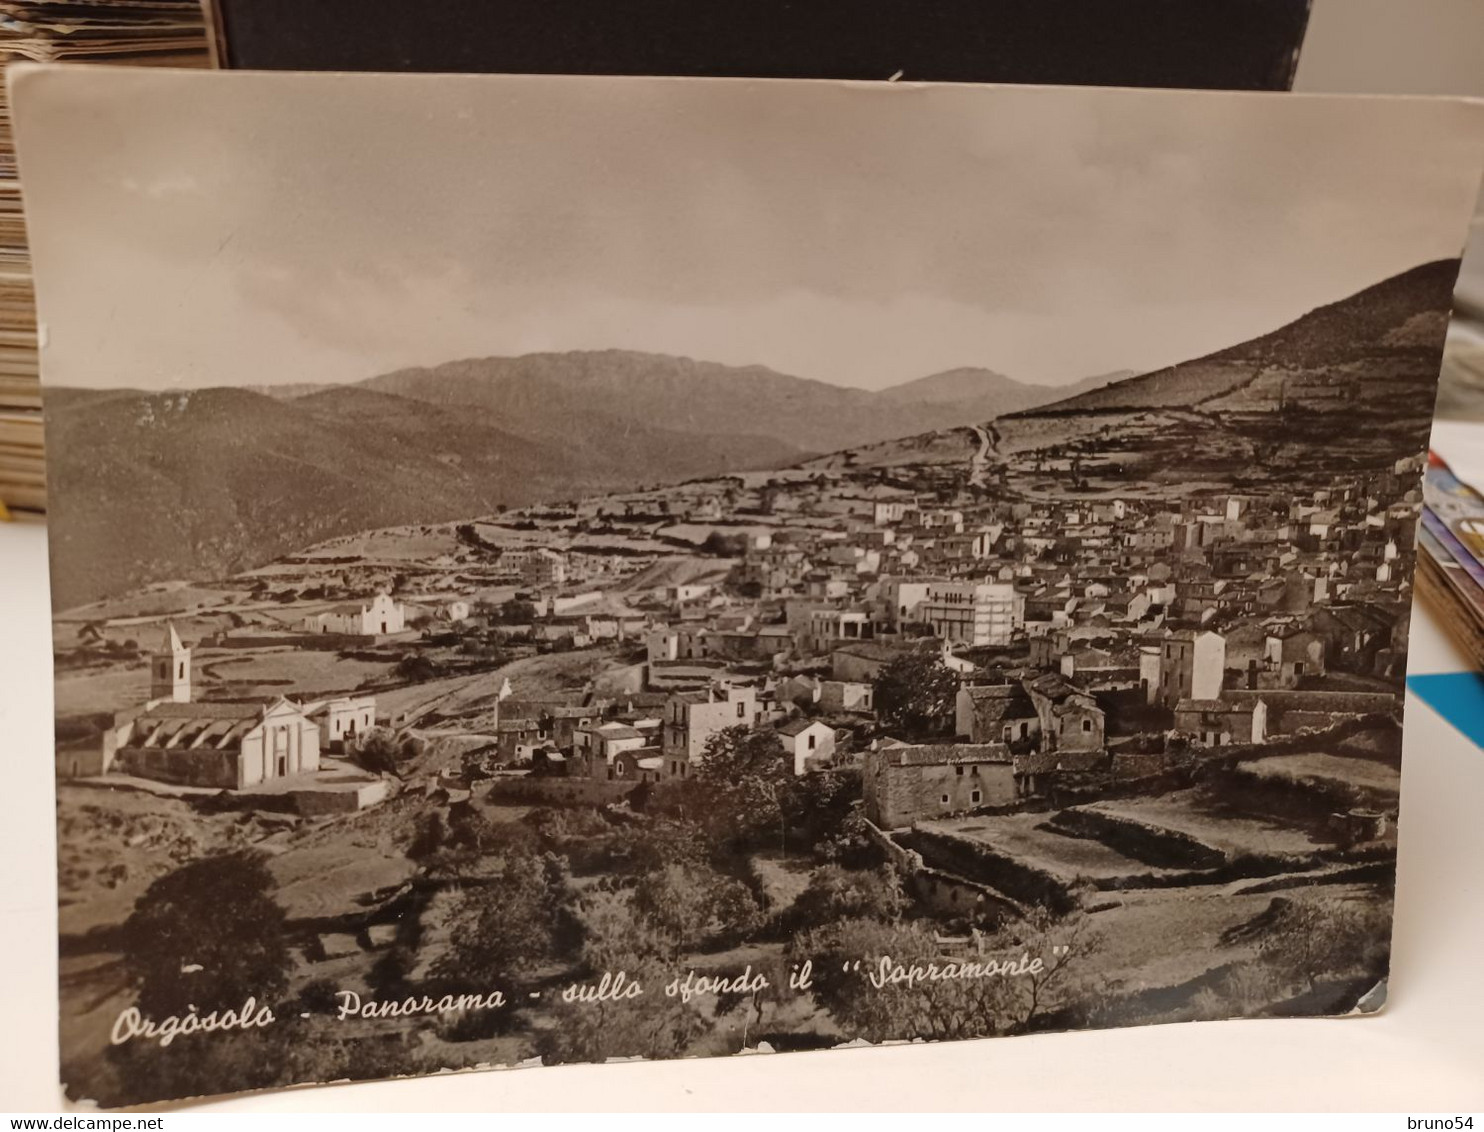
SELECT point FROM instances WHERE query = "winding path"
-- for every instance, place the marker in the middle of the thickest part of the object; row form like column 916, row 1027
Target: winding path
column 979, row 462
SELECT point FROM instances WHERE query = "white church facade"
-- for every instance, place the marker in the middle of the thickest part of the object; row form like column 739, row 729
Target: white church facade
column 381, row 617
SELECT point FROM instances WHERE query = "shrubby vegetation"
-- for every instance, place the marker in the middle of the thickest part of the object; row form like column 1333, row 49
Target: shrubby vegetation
column 382, row 751
column 1065, row 989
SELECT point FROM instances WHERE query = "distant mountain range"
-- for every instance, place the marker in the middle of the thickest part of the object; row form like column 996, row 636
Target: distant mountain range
column 149, row 486
column 965, row 393
column 206, row 482
column 553, row 395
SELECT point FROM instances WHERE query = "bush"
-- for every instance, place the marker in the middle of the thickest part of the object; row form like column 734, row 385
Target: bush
column 693, row 905
column 836, row 894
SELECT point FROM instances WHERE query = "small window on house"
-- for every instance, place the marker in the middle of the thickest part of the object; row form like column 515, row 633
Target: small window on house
column 1086, row 725
column 944, row 799
column 958, row 770
column 1009, row 731
column 811, row 742
column 974, row 770
column 1298, row 668
column 974, row 797
column 741, row 711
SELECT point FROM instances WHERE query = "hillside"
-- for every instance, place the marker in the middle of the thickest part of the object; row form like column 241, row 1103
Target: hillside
column 1340, row 389
column 1310, row 362
column 206, row 482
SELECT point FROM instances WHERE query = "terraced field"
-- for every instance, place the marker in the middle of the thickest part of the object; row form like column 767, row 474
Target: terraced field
column 1187, row 816
column 1029, row 838
column 1322, row 769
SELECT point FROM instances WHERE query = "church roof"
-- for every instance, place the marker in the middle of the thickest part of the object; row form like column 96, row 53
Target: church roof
column 207, row 710
column 172, row 726
column 171, row 640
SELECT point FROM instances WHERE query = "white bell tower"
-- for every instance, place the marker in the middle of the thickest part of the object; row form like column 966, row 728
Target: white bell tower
column 170, row 669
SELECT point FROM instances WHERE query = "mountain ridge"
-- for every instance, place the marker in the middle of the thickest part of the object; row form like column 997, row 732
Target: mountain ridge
column 202, row 483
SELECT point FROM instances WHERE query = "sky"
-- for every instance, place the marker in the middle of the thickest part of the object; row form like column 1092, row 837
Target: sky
column 193, row 229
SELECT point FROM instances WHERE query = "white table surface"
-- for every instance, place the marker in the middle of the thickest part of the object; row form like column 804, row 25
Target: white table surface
column 1424, row 1053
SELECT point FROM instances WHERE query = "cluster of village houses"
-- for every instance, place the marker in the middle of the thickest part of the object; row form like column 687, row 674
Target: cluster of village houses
column 1078, row 634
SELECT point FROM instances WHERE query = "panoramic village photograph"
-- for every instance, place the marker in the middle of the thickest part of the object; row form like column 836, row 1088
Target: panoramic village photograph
column 588, row 701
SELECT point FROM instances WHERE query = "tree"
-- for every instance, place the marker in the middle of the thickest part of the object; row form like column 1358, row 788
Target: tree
column 827, row 811
column 415, row 668
column 382, row 751
column 724, row 545
column 692, row 904
column 915, row 695
column 472, row 846
column 208, row 934
column 651, row 1025
column 290, row 1051
column 479, row 763
column 517, row 612
column 511, row 924
column 748, row 785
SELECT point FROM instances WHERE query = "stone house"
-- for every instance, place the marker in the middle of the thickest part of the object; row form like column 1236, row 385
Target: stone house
column 995, row 713
column 600, row 743
column 1217, row 723
column 905, row 784
column 1071, row 719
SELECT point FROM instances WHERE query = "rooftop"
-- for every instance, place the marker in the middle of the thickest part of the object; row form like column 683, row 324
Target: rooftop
column 946, row 754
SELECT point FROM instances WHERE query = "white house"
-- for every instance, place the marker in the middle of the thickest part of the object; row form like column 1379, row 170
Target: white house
column 342, row 719
column 1191, row 666
column 808, row 742
column 973, row 613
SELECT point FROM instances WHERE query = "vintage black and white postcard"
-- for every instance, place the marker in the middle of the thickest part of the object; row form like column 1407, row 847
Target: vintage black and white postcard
column 558, row 569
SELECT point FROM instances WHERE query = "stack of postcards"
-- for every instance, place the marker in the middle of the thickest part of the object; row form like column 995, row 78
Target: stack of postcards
column 1451, row 566
column 22, row 467
column 170, row 33
column 160, row 32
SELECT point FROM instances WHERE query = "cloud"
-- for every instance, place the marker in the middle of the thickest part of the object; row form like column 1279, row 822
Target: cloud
column 327, row 227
